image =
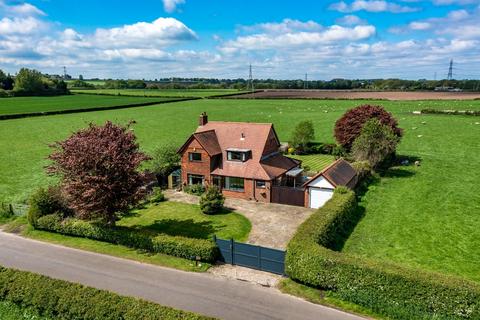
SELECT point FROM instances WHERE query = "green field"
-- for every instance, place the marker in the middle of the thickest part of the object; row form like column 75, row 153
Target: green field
column 199, row 93
column 425, row 216
column 70, row 102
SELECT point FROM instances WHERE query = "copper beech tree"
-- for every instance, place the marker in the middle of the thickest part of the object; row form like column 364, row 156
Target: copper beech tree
column 98, row 167
column 349, row 126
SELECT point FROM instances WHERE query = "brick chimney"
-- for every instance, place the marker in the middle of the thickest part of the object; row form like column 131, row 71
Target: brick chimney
column 203, row 119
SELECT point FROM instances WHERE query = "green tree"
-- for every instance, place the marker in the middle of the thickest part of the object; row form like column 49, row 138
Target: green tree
column 376, row 143
column 212, row 200
column 29, row 81
column 165, row 159
column 303, row 135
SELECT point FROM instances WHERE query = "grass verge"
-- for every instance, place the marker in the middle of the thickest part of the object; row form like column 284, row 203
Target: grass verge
column 325, row 298
column 21, row 227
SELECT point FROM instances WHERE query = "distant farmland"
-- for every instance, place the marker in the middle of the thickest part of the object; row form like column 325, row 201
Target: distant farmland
column 349, row 94
column 198, row 93
column 21, row 105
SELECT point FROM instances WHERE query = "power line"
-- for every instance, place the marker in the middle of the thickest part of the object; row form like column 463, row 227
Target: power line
column 305, row 83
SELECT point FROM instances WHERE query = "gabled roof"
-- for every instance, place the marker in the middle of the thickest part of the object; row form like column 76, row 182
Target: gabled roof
column 246, row 136
column 339, row 173
column 207, row 139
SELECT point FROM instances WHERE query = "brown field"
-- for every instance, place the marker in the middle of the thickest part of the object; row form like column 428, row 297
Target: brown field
column 349, row 94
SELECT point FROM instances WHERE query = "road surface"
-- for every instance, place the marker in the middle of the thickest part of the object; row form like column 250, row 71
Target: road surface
column 198, row 292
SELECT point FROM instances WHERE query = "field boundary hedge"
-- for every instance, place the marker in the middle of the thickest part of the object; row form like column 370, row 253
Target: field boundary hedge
column 451, row 112
column 58, row 299
column 183, row 247
column 395, row 291
column 68, row 111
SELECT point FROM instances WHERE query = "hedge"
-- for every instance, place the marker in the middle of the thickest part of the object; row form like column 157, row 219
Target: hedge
column 389, row 289
column 178, row 246
column 59, row 299
column 452, row 112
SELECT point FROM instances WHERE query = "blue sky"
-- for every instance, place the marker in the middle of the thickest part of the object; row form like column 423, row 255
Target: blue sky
column 150, row 39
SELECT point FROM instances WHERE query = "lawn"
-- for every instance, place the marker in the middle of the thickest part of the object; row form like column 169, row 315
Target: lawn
column 425, row 216
column 199, row 93
column 314, row 162
column 69, row 102
column 181, row 219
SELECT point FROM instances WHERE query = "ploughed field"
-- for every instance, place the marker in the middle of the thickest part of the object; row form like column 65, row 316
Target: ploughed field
column 350, row 94
column 20, row 105
column 198, row 93
column 426, row 216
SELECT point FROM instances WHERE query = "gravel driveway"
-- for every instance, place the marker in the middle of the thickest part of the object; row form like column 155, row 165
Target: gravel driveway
column 273, row 225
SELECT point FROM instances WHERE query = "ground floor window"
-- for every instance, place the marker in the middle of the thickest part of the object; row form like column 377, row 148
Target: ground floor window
column 260, row 184
column 234, row 184
column 195, row 179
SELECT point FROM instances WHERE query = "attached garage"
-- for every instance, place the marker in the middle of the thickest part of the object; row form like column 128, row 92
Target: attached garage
column 319, row 189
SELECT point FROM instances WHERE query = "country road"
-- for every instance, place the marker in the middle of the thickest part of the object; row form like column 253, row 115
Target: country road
column 202, row 293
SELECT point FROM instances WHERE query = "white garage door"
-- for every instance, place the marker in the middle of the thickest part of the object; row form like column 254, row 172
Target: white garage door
column 318, row 197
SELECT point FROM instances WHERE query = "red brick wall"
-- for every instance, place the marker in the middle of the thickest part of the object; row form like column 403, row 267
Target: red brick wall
column 264, row 194
column 195, row 167
column 271, row 144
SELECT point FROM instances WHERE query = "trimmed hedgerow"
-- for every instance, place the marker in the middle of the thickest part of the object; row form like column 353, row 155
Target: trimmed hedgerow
column 183, row 247
column 395, row 291
column 59, row 299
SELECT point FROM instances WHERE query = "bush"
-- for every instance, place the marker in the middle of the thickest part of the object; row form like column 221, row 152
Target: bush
column 46, row 201
column 212, row 200
column 6, row 211
column 363, row 170
column 57, row 299
column 182, row 247
column 348, row 127
column 395, row 291
column 303, row 135
column 4, row 94
column 195, row 189
column 156, row 196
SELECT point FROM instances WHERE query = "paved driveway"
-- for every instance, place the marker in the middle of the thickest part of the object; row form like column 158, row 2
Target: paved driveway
column 273, row 225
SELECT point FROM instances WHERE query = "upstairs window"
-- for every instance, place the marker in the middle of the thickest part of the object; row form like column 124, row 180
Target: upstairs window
column 238, row 155
column 195, row 156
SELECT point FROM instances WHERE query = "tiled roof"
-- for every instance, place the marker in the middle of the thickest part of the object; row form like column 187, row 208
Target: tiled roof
column 247, row 136
column 208, row 140
column 339, row 173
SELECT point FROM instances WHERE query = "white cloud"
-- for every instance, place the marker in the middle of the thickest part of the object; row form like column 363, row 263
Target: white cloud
column 171, row 5
column 451, row 2
column 417, row 25
column 25, row 9
column 371, row 6
column 265, row 41
column 350, row 20
column 163, row 31
column 17, row 25
column 287, row 25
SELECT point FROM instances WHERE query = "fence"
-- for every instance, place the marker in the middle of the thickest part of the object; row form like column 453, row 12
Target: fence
column 288, row 195
column 251, row 256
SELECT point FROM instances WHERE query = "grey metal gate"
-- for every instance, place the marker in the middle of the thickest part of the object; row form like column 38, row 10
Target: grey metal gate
column 251, row 256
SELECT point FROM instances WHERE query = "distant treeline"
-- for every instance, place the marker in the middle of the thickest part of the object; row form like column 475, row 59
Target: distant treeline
column 334, row 84
column 29, row 82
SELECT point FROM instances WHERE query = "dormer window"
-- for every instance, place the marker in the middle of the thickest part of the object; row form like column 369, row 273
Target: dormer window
column 241, row 155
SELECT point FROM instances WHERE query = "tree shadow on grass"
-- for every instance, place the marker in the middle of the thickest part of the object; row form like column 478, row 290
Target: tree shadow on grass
column 186, row 228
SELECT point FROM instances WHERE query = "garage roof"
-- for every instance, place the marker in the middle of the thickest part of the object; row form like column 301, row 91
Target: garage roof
column 339, row 173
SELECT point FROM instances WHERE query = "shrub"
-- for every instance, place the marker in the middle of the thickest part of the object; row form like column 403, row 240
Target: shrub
column 395, row 291
column 212, row 200
column 3, row 94
column 348, row 127
column 6, row 211
column 156, row 196
column 363, row 170
column 375, row 144
column 171, row 245
column 57, row 299
column 46, row 201
column 195, row 189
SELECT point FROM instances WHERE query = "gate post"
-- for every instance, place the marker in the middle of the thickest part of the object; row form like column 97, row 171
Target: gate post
column 232, row 248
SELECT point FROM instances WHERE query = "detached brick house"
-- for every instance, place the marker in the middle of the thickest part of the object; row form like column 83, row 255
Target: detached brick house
column 242, row 158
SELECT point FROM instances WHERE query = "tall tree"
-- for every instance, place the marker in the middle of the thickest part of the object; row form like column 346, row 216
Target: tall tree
column 375, row 144
column 29, row 81
column 349, row 126
column 164, row 160
column 303, row 134
column 98, row 167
